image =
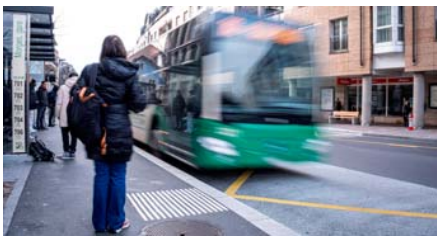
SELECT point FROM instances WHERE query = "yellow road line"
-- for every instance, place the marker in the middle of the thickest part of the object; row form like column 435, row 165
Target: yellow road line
column 337, row 207
column 388, row 144
column 232, row 189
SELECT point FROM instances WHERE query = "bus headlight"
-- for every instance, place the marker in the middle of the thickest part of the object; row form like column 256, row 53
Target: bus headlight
column 218, row 146
column 317, row 145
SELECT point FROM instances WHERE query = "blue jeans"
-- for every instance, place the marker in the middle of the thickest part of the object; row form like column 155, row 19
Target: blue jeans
column 109, row 195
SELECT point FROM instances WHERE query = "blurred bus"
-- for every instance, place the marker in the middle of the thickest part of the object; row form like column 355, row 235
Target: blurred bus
column 234, row 92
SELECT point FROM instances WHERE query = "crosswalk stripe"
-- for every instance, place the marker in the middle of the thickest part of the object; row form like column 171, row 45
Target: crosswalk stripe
column 175, row 203
column 140, row 204
column 191, row 208
column 208, row 198
column 206, row 204
column 160, row 206
column 153, row 206
column 163, row 202
column 193, row 202
column 137, row 208
column 149, row 208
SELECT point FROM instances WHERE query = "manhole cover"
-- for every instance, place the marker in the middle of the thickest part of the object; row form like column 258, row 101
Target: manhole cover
column 181, row 228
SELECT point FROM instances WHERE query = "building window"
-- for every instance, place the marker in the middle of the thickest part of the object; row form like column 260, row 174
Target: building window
column 162, row 30
column 185, row 16
column 400, row 27
column 273, row 10
column 435, row 24
column 339, row 35
column 177, row 21
column 247, row 10
column 384, row 27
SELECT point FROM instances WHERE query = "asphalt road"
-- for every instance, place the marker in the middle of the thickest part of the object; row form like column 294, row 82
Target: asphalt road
column 407, row 160
column 365, row 186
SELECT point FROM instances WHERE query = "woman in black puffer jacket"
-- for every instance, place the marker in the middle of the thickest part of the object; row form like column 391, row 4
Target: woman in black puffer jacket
column 118, row 86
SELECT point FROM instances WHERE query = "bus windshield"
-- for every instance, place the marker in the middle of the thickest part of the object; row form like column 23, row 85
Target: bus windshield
column 267, row 79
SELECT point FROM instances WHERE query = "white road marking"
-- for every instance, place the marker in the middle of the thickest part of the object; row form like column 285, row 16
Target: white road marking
column 137, row 208
column 173, row 203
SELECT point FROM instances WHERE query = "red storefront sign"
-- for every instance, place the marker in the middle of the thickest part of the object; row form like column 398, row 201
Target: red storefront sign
column 376, row 81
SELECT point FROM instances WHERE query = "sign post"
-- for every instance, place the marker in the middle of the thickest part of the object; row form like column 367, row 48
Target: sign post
column 19, row 83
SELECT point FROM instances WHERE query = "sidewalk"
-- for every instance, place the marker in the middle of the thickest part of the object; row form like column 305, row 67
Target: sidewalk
column 383, row 131
column 16, row 170
column 161, row 200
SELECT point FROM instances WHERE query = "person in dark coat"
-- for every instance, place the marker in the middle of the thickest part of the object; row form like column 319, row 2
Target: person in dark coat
column 7, row 106
column 406, row 111
column 52, row 95
column 43, row 102
column 179, row 106
column 338, row 105
column 33, row 104
column 117, row 84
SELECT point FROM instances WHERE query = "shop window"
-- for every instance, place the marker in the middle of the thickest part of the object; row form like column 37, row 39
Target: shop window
column 432, row 96
column 378, row 100
column 354, row 98
column 396, row 95
column 339, row 35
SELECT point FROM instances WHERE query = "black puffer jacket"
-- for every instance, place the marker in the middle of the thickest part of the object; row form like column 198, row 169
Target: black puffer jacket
column 117, row 84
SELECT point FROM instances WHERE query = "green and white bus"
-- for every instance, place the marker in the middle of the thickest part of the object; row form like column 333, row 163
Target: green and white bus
column 234, row 92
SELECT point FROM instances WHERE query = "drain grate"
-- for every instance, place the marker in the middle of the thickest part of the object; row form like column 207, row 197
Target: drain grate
column 175, row 203
column 181, row 228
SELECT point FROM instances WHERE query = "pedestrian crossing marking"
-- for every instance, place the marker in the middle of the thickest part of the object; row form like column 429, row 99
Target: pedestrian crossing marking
column 174, row 203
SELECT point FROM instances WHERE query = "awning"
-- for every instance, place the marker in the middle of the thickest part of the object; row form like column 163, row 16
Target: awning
column 42, row 40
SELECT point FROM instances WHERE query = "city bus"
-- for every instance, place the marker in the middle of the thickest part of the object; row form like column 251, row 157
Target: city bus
column 232, row 92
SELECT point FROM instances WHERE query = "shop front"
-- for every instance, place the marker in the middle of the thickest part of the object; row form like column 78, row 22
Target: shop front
column 388, row 96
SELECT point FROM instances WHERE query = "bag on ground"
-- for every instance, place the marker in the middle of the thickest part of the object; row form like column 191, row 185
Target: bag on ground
column 40, row 153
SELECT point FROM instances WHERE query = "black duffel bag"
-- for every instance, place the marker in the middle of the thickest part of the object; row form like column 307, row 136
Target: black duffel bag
column 40, row 153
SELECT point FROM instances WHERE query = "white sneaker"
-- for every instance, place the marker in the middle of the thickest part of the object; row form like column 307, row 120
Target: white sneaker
column 126, row 224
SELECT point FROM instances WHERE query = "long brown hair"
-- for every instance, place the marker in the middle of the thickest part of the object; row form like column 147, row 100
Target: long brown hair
column 113, row 47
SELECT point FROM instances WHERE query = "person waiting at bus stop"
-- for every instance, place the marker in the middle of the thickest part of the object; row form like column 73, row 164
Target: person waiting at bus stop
column 62, row 100
column 406, row 111
column 179, row 107
column 52, row 96
column 117, row 84
column 43, row 102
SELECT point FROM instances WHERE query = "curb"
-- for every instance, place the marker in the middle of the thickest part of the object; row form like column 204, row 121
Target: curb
column 261, row 221
column 365, row 134
column 398, row 137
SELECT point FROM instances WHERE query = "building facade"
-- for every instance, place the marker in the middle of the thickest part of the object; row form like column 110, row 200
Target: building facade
column 374, row 59
column 164, row 19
